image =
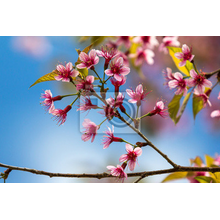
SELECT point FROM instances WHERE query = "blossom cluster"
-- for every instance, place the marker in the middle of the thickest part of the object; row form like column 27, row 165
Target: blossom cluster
column 117, row 72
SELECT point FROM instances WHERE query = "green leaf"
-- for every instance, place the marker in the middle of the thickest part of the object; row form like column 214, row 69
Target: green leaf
column 47, row 77
column 173, row 107
column 198, row 104
column 96, row 40
column 204, row 179
column 198, row 161
column 175, row 176
column 184, row 69
column 209, row 160
column 83, row 72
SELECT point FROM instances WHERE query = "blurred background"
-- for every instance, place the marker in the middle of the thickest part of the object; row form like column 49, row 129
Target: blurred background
column 30, row 138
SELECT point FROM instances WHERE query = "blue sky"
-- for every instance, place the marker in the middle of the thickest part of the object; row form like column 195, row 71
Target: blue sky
column 30, row 138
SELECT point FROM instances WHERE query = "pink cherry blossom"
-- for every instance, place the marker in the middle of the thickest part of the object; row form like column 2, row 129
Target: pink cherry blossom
column 60, row 115
column 131, row 156
column 215, row 114
column 117, row 69
column 49, row 100
column 108, row 110
column 199, row 81
column 118, row 172
column 117, row 102
column 88, row 61
column 125, row 58
column 90, row 130
column 109, row 138
column 143, row 55
column 204, row 96
column 85, row 84
column 107, row 53
column 195, row 174
column 66, row 73
column 146, row 41
column 179, row 83
column 124, row 40
column 159, row 109
column 138, row 95
column 169, row 41
column 168, row 75
column 86, row 104
column 185, row 55
column 117, row 83
column 217, row 160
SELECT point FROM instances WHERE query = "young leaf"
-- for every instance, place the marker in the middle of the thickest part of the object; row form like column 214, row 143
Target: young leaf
column 205, row 179
column 198, row 104
column 83, row 72
column 184, row 69
column 173, row 107
column 198, row 161
column 47, row 77
column 209, row 160
column 175, row 176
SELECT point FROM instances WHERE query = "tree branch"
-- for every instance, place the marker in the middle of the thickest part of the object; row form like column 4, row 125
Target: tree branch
column 142, row 175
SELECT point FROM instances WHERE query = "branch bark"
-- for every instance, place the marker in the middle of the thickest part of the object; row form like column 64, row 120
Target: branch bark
column 141, row 175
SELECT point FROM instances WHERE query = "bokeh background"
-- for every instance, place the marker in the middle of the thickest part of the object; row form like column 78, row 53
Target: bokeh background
column 30, row 138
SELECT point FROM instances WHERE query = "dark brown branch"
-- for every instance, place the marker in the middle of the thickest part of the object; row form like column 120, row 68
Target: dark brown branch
column 142, row 175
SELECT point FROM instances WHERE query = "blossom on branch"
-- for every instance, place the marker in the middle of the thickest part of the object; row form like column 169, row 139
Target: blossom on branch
column 159, row 109
column 169, row 41
column 204, row 96
column 90, row 130
column 185, row 55
column 146, row 41
column 86, row 105
column 109, row 138
column 131, row 156
column 66, row 73
column 118, row 172
column 85, row 84
column 199, row 81
column 117, row 69
column 88, row 61
column 138, row 95
column 60, row 115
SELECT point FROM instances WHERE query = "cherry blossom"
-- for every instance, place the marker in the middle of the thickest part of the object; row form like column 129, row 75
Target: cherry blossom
column 49, row 100
column 88, row 61
column 118, row 172
column 117, row 102
column 146, row 41
column 90, row 130
column 86, row 104
column 85, row 84
column 66, row 73
column 107, row 53
column 215, row 114
column 159, row 109
column 117, row 69
column 131, row 156
column 199, row 81
column 124, row 40
column 138, row 95
column 143, row 55
column 185, row 55
column 204, row 96
column 179, row 83
column 109, row 138
column 60, row 115
column 117, row 83
column 169, row 41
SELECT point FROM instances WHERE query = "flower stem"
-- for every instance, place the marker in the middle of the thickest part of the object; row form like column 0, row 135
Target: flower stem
column 128, row 115
column 97, row 75
column 128, row 142
column 137, row 111
column 63, row 96
column 74, row 100
column 102, row 122
column 107, row 79
column 148, row 114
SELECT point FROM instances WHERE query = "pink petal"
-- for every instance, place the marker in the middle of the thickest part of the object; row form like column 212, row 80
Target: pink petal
column 118, row 77
column 108, row 72
column 207, row 83
column 179, row 55
column 182, row 63
column 83, row 57
column 69, row 66
column 132, row 100
column 58, row 77
column 193, row 73
column 61, row 68
column 90, row 79
column 124, row 71
column 119, row 61
column 138, row 151
column 74, row 73
column 160, row 104
column 81, row 66
column 215, row 113
column 92, row 54
column 173, row 84
column 185, row 49
column 123, row 158
column 131, row 165
column 139, row 89
column 178, row 76
column 110, row 167
column 129, row 148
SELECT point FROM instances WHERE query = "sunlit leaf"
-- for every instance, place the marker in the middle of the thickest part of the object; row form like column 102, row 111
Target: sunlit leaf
column 175, row 176
column 204, row 179
column 83, row 39
column 173, row 107
column 208, row 160
column 184, row 69
column 83, row 72
column 217, row 176
column 198, row 104
column 198, row 161
column 47, row 77
column 96, row 40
